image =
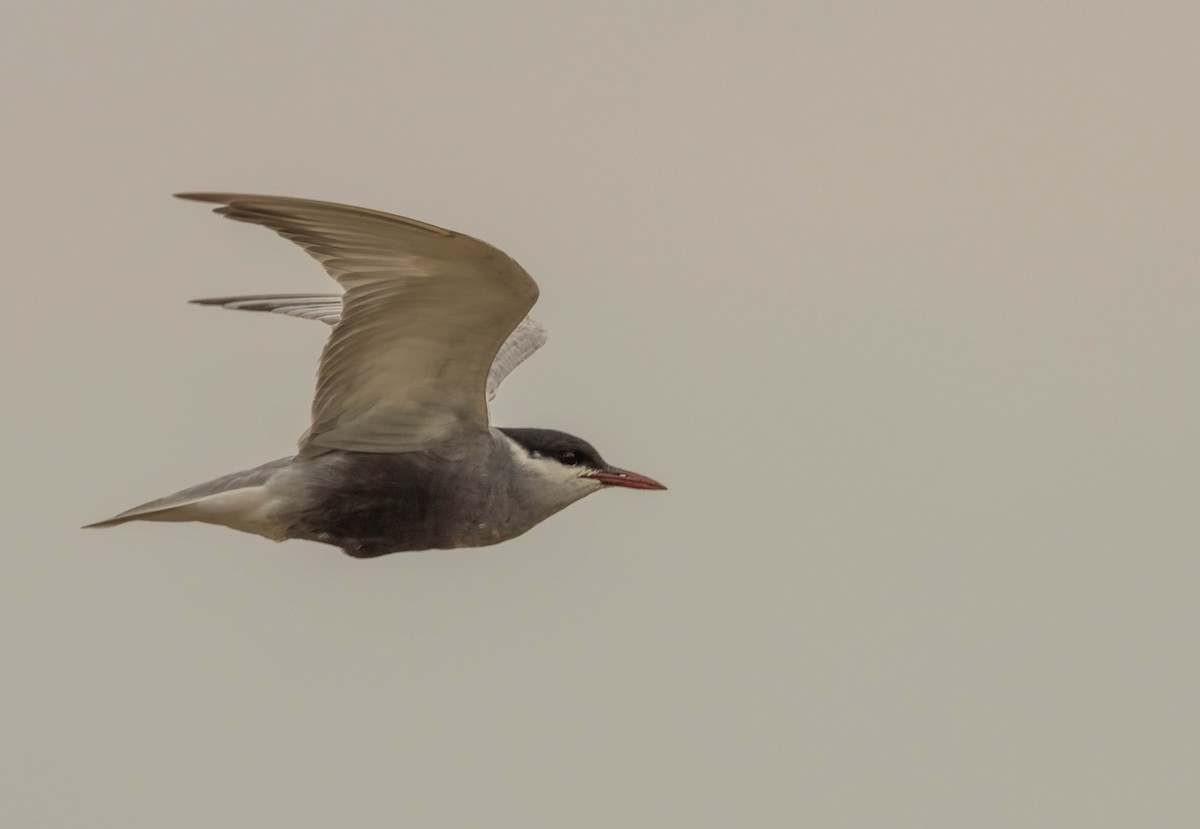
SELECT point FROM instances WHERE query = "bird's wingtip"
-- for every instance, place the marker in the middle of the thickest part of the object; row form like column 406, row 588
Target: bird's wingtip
column 209, row 197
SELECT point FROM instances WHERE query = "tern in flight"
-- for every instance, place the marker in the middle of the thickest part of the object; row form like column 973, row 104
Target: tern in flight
column 401, row 454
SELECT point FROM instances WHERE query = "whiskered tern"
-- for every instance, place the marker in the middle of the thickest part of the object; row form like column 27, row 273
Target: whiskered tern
column 401, row 454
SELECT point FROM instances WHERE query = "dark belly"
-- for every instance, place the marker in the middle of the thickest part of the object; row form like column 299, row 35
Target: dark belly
column 372, row 505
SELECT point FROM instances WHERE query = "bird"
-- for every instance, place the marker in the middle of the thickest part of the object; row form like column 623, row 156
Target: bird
column 401, row 454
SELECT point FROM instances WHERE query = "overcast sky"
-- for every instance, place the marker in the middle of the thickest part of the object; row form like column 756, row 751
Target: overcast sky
column 900, row 299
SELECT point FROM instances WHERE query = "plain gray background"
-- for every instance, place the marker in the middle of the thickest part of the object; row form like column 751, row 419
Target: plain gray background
column 899, row 299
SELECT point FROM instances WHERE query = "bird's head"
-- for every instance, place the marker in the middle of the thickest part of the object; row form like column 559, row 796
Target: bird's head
column 571, row 463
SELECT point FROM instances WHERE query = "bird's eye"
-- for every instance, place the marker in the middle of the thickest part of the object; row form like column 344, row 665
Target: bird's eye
column 570, row 458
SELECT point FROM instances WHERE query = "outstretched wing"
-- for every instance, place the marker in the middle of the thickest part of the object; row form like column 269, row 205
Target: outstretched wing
column 424, row 313
column 526, row 338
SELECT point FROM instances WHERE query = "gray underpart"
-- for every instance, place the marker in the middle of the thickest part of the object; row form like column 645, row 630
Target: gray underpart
column 466, row 493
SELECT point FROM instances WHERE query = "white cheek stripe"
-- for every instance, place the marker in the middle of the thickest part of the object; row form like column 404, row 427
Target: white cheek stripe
column 549, row 469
